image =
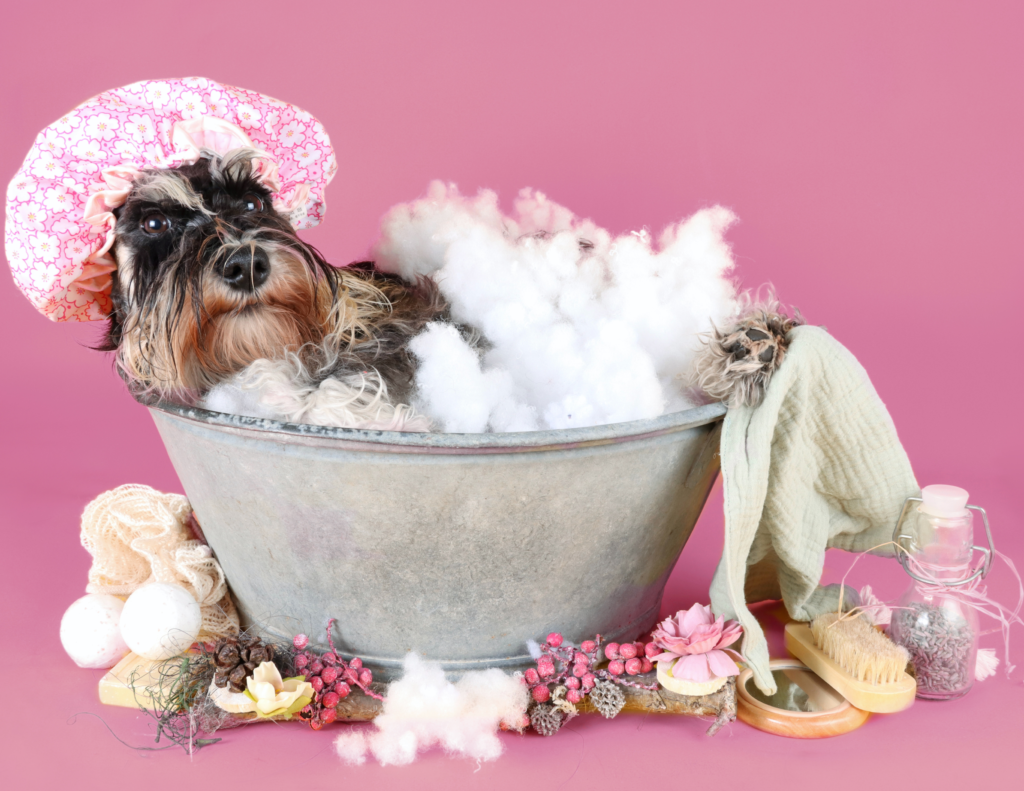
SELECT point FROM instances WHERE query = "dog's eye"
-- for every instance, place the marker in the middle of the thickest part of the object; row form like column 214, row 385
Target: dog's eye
column 252, row 202
column 155, row 223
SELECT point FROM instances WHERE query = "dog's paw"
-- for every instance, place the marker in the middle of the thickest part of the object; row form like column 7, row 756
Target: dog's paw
column 736, row 364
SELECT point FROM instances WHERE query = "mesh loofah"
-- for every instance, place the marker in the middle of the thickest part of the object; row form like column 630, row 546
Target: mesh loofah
column 136, row 535
column 545, row 719
column 607, row 698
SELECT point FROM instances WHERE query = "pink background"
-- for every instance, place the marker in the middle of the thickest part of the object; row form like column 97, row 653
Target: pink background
column 873, row 153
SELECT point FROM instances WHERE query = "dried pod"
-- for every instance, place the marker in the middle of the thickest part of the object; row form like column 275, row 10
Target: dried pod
column 545, row 719
column 607, row 698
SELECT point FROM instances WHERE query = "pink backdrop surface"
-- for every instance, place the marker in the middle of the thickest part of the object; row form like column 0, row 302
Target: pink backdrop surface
column 873, row 153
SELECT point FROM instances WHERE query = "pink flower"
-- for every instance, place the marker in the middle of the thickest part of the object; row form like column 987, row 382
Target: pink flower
column 693, row 639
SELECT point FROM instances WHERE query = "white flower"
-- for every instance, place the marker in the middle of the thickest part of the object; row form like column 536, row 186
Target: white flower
column 52, row 142
column 47, row 167
column 59, row 199
column 266, row 693
column 88, row 148
column 76, row 250
column 158, row 94
column 21, row 188
column 67, row 124
column 64, row 226
column 126, row 149
column 102, row 126
column 17, row 255
column 191, row 105
column 84, row 166
column 216, row 104
column 292, row 134
column 43, row 276
column 248, row 116
column 30, row 216
column 306, row 155
column 141, row 128
column 154, row 155
column 45, row 247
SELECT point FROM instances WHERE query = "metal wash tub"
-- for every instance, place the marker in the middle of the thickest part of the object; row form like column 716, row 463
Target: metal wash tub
column 458, row 546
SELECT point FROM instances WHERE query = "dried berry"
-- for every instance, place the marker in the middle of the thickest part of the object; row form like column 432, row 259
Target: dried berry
column 651, row 650
column 646, row 666
column 329, row 659
column 616, row 667
column 554, row 639
column 573, row 683
column 317, row 682
column 300, row 641
column 301, row 661
column 627, row 651
column 365, row 677
column 331, row 699
column 329, row 674
column 633, row 666
column 541, row 694
column 574, row 696
column 532, row 677
column 356, row 663
column 342, row 689
column 588, row 646
column 611, row 651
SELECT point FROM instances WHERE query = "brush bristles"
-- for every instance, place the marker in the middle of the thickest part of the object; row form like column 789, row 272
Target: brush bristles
column 859, row 648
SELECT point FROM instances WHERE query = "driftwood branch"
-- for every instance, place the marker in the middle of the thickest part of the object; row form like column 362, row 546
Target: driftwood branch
column 358, row 707
column 721, row 704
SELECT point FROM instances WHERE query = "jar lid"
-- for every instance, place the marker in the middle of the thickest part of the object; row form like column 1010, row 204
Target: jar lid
column 947, row 502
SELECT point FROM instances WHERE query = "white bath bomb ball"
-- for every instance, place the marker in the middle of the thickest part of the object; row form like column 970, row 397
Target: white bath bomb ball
column 160, row 620
column 90, row 631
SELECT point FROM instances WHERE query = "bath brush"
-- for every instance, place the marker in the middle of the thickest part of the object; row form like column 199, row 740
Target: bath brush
column 857, row 660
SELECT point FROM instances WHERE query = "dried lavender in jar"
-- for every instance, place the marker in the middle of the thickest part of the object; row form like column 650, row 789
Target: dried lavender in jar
column 940, row 647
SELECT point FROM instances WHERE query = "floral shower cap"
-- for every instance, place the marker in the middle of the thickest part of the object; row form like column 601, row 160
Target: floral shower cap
column 60, row 224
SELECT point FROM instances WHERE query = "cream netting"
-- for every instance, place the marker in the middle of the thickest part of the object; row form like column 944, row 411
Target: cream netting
column 136, row 535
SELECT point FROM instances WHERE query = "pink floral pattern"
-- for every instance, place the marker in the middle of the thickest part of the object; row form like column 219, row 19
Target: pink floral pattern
column 59, row 205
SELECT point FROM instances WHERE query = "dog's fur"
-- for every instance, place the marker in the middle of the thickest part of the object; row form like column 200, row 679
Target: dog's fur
column 228, row 283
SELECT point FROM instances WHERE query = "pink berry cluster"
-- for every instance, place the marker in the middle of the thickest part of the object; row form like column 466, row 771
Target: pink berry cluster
column 332, row 679
column 561, row 664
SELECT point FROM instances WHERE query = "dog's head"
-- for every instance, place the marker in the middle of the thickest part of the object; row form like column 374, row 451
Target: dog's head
column 210, row 277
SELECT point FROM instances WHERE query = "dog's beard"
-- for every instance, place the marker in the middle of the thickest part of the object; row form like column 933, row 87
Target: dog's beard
column 178, row 342
column 183, row 323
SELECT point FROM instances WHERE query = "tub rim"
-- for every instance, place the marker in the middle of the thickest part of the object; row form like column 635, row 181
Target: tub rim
column 410, row 441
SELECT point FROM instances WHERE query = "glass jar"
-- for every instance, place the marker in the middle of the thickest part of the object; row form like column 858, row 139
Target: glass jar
column 937, row 625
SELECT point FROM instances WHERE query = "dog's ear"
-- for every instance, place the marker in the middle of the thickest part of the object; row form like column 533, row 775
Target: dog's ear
column 737, row 362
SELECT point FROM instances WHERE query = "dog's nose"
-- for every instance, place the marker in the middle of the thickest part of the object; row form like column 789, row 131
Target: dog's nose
column 246, row 269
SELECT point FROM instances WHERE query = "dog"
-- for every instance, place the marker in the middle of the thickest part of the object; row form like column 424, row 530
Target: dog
column 170, row 209
column 216, row 298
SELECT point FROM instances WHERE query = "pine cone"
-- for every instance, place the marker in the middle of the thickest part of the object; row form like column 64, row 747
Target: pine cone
column 607, row 698
column 236, row 658
column 545, row 719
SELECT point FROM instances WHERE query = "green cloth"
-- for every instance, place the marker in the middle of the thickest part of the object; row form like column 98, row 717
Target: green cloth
column 816, row 465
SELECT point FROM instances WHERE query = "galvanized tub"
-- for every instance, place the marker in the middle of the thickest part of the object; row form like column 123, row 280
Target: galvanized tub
column 458, row 546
